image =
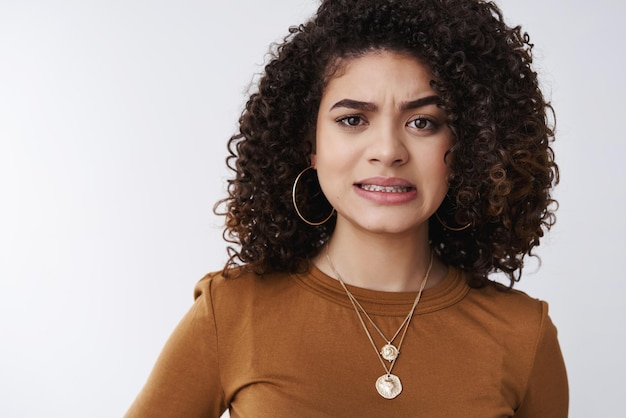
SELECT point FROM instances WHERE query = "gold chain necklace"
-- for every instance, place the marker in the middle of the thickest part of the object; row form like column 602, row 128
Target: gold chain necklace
column 387, row 385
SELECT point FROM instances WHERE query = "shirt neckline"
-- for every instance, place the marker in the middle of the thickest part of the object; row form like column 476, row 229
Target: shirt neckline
column 451, row 290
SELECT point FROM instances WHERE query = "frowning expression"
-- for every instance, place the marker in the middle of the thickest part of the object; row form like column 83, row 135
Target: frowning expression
column 381, row 141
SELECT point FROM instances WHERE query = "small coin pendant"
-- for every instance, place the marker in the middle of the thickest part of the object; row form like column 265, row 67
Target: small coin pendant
column 389, row 352
column 388, row 386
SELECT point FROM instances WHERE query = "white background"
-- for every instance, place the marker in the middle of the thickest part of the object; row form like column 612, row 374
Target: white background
column 114, row 117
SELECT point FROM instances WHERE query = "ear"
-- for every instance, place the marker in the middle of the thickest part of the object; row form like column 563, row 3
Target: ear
column 313, row 160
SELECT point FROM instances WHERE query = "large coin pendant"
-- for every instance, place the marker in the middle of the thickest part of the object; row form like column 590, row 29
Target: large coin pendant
column 389, row 352
column 388, row 386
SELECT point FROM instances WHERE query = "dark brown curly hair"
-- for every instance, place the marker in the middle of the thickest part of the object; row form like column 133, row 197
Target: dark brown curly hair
column 502, row 166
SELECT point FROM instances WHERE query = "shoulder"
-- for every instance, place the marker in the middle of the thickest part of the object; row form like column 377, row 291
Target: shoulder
column 239, row 306
column 520, row 322
column 500, row 300
column 240, row 282
column 244, row 292
column 509, row 315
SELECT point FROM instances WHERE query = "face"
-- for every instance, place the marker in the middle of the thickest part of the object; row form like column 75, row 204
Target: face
column 380, row 144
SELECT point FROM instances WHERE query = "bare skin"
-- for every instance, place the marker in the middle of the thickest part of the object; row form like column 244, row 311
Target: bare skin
column 380, row 146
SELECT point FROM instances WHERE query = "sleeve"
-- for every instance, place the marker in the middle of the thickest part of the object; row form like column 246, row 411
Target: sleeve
column 547, row 393
column 185, row 381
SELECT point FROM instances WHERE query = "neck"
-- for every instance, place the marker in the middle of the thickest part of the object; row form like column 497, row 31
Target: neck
column 382, row 262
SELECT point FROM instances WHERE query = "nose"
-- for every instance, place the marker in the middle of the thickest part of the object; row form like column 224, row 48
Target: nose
column 387, row 146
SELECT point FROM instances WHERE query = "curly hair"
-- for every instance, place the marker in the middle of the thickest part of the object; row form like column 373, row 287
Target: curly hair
column 502, row 166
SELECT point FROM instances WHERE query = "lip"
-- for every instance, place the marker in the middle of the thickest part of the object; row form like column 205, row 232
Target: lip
column 386, row 197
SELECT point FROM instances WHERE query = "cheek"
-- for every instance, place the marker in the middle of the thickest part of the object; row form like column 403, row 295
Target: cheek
column 334, row 171
column 332, row 154
column 331, row 188
column 440, row 156
column 433, row 158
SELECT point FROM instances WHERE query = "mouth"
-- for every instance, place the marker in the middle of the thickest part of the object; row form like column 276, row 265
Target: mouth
column 384, row 189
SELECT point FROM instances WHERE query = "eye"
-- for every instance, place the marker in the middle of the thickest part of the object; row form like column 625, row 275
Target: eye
column 351, row 121
column 422, row 123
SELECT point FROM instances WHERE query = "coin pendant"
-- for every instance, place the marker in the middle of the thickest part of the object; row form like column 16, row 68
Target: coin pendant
column 388, row 386
column 389, row 352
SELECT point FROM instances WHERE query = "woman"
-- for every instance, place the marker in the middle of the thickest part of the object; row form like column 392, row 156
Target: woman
column 397, row 152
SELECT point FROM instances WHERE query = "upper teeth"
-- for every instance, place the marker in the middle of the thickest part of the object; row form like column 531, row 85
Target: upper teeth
column 386, row 189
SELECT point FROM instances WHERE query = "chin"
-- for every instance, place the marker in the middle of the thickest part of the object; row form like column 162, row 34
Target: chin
column 393, row 228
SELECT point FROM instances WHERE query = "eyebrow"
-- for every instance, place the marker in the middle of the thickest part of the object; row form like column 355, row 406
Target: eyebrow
column 371, row 107
column 424, row 101
column 355, row 104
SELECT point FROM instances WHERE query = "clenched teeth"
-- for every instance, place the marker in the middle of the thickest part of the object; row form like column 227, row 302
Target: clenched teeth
column 384, row 189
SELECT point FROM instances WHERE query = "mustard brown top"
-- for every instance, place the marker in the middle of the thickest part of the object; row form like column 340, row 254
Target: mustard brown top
column 286, row 345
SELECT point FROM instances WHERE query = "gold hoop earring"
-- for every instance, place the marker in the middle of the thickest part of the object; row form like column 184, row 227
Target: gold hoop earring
column 295, row 205
column 451, row 228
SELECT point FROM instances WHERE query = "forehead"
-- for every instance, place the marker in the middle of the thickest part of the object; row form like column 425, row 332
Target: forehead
column 382, row 71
